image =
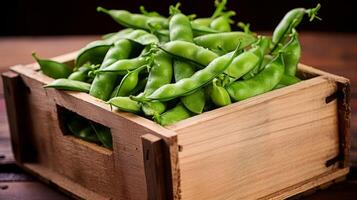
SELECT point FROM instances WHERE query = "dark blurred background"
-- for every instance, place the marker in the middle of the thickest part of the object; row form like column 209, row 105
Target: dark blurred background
column 74, row 17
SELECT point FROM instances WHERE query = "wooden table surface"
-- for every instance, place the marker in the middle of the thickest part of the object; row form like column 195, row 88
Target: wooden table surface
column 332, row 52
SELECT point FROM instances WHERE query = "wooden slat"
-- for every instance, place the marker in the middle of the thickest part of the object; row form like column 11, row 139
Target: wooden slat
column 261, row 145
column 14, row 93
column 154, row 167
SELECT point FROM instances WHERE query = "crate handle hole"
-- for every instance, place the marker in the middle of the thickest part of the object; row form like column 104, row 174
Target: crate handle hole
column 73, row 124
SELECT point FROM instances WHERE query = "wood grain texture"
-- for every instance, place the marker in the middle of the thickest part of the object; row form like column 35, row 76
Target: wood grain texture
column 14, row 94
column 291, row 132
column 154, row 167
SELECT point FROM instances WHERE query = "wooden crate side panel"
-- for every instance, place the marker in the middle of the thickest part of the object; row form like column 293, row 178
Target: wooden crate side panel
column 126, row 131
column 39, row 122
column 263, row 148
column 88, row 164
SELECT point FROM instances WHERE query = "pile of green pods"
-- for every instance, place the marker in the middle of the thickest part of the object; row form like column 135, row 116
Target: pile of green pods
column 171, row 68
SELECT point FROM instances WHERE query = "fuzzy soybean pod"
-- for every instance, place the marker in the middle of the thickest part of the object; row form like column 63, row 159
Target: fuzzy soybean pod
column 137, row 21
column 129, row 82
column 53, row 68
column 94, row 52
column 72, row 85
column 226, row 42
column 121, row 67
column 189, row 51
column 263, row 82
column 290, row 21
column 103, row 84
column 200, row 78
column 292, row 54
column 219, row 95
column 178, row 113
column 125, row 104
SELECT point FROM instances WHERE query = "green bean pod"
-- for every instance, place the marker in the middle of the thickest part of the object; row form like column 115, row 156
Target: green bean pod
column 219, row 95
column 289, row 80
column 140, row 86
column 94, row 52
column 129, row 82
column 66, row 84
column 244, row 63
column 88, row 134
column 178, row 113
column 103, row 84
column 195, row 102
column 262, row 48
column 189, row 51
column 202, row 21
column 125, row 104
column 153, row 108
column 226, row 42
column 137, row 21
column 142, row 37
column 81, row 74
column 53, row 68
column 199, row 79
column 122, row 66
column 180, row 29
column 104, row 135
column 263, row 82
column 82, row 129
column 160, row 73
column 290, row 21
column 221, row 24
column 291, row 55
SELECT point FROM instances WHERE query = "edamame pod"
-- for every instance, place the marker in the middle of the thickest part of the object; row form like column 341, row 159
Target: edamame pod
column 197, row 80
column 103, row 84
column 125, row 104
column 180, row 29
column 94, row 52
column 72, row 85
column 129, row 82
column 104, row 135
column 189, row 51
column 160, row 73
column 219, row 95
column 291, row 55
column 263, row 82
column 137, row 21
column 225, row 42
column 178, row 113
column 53, row 68
column 122, row 66
column 290, row 21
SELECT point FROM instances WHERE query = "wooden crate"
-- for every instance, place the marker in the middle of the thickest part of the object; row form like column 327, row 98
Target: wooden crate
column 271, row 146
